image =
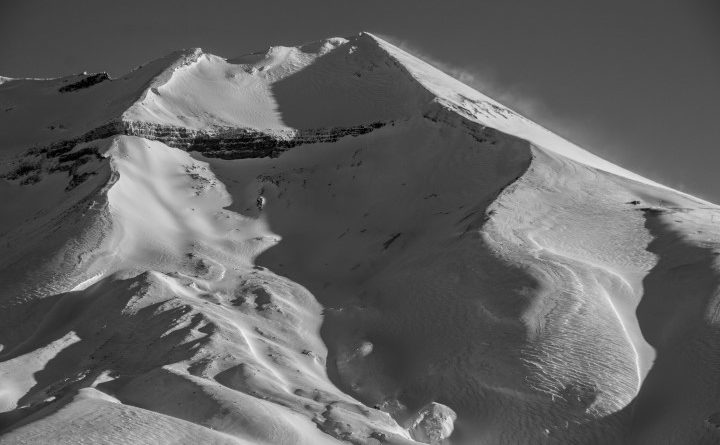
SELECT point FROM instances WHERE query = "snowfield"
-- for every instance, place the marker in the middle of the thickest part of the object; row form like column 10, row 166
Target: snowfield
column 338, row 243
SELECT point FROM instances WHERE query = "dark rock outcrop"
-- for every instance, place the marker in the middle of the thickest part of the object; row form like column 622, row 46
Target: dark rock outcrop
column 224, row 143
column 86, row 82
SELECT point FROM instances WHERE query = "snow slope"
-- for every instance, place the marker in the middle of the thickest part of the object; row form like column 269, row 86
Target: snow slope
column 336, row 242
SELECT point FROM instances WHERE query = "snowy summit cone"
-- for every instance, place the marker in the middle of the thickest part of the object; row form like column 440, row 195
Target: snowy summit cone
column 337, row 242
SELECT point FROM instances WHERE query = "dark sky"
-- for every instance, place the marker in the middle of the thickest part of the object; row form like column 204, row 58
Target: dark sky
column 634, row 81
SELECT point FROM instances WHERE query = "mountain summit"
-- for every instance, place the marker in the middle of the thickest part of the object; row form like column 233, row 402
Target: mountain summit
column 337, row 243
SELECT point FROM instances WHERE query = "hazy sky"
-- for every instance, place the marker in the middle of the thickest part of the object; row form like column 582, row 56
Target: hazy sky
column 634, row 81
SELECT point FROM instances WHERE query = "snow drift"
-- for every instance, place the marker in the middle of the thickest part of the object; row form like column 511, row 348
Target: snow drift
column 337, row 242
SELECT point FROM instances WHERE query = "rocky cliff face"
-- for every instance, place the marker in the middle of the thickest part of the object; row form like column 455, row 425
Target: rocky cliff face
column 240, row 143
column 224, row 143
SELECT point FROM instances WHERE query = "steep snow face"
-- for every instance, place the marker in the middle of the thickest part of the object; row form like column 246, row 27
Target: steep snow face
column 437, row 292
column 285, row 88
column 335, row 243
column 169, row 314
column 481, row 108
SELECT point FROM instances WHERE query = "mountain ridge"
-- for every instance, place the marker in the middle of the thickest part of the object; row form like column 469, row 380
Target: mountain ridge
column 486, row 114
column 337, row 243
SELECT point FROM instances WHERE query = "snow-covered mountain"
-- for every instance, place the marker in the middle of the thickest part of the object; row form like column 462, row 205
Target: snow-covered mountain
column 334, row 243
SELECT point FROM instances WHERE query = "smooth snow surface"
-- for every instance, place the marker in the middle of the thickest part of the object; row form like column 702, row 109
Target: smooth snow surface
column 357, row 249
